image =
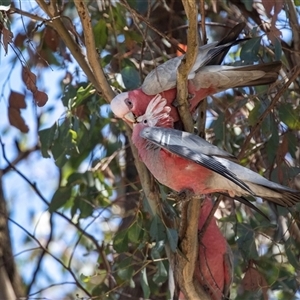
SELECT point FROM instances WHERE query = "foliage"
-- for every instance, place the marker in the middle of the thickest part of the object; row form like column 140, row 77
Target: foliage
column 96, row 195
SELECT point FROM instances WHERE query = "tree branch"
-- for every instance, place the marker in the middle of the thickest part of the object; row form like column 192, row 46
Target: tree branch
column 186, row 65
column 92, row 55
column 185, row 264
column 56, row 22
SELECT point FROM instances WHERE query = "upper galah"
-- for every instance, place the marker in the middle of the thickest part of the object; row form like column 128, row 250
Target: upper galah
column 206, row 77
column 214, row 266
column 181, row 160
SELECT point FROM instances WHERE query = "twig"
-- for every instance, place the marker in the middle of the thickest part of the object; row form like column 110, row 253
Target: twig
column 34, row 187
column 92, row 54
column 21, row 155
column 202, row 108
column 56, row 22
column 48, row 252
column 186, row 65
column 41, row 257
column 137, row 15
column 266, row 112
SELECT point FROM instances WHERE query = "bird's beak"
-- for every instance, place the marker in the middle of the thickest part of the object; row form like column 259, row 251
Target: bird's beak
column 129, row 117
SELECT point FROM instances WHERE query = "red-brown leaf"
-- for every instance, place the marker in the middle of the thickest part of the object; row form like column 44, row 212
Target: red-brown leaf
column 19, row 40
column 51, row 38
column 16, row 120
column 7, row 38
column 268, row 5
column 40, row 98
column 29, row 79
column 16, row 100
column 255, row 281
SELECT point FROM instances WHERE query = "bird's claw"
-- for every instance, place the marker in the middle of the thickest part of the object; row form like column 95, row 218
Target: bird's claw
column 185, row 195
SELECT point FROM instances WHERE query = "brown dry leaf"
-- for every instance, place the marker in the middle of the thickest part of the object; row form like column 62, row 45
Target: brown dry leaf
column 16, row 120
column 51, row 38
column 29, row 79
column 81, row 112
column 268, row 5
column 277, row 9
column 274, row 32
column 19, row 40
column 7, row 38
column 16, row 100
column 255, row 281
column 40, row 98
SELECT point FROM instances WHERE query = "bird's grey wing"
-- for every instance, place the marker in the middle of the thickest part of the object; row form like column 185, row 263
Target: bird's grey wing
column 181, row 138
column 169, row 139
column 289, row 196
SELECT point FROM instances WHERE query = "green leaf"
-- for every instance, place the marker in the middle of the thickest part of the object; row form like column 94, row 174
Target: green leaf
column 278, row 49
column 246, row 241
column 84, row 206
column 158, row 249
column 248, row 4
column 157, row 229
column 292, row 143
column 5, row 5
column 131, row 77
column 290, row 116
column 161, row 275
column 83, row 93
column 125, row 269
column 255, row 114
column 218, row 127
column 290, row 249
column 46, row 138
column 144, row 283
column 120, row 242
column 297, row 2
column 172, row 238
column 134, row 232
column 249, row 51
column 273, row 143
column 100, row 33
column 60, row 197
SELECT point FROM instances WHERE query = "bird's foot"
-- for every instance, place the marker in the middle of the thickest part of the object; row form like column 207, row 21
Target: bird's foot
column 189, row 97
column 185, row 195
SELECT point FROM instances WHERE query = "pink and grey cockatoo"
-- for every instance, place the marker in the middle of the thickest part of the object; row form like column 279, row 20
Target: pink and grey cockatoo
column 181, row 160
column 206, row 77
column 214, row 266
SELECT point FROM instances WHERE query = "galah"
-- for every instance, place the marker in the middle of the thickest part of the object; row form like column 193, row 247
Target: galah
column 181, row 160
column 206, row 77
column 214, row 266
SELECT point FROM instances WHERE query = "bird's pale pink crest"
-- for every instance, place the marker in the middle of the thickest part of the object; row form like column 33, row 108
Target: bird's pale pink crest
column 157, row 113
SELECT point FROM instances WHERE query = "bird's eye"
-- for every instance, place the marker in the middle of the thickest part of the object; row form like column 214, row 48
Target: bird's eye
column 145, row 121
column 129, row 103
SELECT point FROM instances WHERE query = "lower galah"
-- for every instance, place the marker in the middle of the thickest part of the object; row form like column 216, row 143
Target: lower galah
column 214, row 268
column 181, row 160
column 206, row 77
